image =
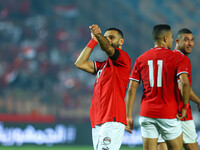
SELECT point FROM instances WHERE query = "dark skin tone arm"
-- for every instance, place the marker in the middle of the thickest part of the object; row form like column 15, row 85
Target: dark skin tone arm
column 130, row 99
column 105, row 45
column 193, row 96
column 185, row 91
column 103, row 41
column 82, row 61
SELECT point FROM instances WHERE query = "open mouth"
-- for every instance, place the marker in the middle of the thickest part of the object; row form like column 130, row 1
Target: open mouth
column 189, row 49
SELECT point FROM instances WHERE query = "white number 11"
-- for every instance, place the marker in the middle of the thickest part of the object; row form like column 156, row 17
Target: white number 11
column 151, row 75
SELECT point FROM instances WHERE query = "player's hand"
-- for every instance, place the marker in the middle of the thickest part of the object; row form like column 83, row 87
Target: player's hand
column 129, row 126
column 183, row 114
column 93, row 37
column 95, row 29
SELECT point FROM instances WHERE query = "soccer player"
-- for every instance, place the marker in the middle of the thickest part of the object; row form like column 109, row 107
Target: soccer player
column 184, row 45
column 107, row 111
column 158, row 69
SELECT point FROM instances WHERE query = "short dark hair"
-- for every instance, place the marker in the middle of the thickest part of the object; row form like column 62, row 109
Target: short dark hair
column 115, row 29
column 158, row 31
column 183, row 31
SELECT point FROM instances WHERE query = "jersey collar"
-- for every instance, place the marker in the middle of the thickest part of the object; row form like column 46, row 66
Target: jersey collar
column 160, row 48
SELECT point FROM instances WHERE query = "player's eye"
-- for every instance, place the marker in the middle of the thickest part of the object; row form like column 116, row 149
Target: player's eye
column 111, row 37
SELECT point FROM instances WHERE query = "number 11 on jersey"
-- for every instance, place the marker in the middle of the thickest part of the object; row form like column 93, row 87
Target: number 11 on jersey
column 151, row 73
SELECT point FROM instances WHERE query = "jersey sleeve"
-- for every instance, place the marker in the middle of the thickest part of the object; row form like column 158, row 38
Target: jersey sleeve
column 135, row 74
column 97, row 65
column 121, row 58
column 183, row 66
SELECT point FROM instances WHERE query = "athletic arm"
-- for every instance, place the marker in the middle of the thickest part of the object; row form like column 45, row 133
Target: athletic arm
column 130, row 99
column 184, row 87
column 103, row 42
column 194, row 97
column 82, row 61
column 185, row 92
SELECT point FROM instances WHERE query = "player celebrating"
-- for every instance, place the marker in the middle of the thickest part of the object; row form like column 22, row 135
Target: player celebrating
column 107, row 111
column 184, row 45
column 158, row 69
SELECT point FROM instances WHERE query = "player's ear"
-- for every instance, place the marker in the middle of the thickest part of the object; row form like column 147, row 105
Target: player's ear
column 165, row 39
column 121, row 41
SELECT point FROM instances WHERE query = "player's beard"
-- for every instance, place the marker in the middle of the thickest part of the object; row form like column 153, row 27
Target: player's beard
column 183, row 50
column 115, row 45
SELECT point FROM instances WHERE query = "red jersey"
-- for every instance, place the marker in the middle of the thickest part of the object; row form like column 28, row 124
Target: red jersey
column 158, row 69
column 112, row 78
column 179, row 97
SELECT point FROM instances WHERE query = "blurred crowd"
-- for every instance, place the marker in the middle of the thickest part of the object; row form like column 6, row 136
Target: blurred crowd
column 40, row 40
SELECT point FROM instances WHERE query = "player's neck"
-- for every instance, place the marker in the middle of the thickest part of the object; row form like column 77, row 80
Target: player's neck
column 160, row 44
column 182, row 51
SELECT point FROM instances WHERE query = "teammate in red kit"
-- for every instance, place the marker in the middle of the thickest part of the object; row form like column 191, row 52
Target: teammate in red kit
column 107, row 111
column 158, row 69
column 184, row 45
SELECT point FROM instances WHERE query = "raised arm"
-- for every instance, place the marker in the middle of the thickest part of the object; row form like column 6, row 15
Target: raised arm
column 82, row 61
column 103, row 41
column 130, row 99
column 185, row 92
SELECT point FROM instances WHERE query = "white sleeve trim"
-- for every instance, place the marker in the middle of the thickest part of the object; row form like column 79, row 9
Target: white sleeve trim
column 182, row 73
column 134, row 79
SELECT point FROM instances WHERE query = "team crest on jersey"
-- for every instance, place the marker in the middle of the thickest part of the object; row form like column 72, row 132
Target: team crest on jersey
column 107, row 140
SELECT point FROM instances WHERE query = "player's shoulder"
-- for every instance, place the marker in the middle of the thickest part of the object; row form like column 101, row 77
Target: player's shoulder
column 123, row 56
column 148, row 53
column 181, row 55
column 178, row 53
column 122, row 51
column 142, row 56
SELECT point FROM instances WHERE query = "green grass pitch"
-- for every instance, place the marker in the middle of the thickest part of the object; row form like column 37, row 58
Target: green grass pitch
column 60, row 148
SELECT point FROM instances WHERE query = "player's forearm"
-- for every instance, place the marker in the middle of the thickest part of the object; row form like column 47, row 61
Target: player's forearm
column 184, row 86
column 83, row 63
column 194, row 97
column 185, row 92
column 130, row 98
column 83, row 57
column 105, row 44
